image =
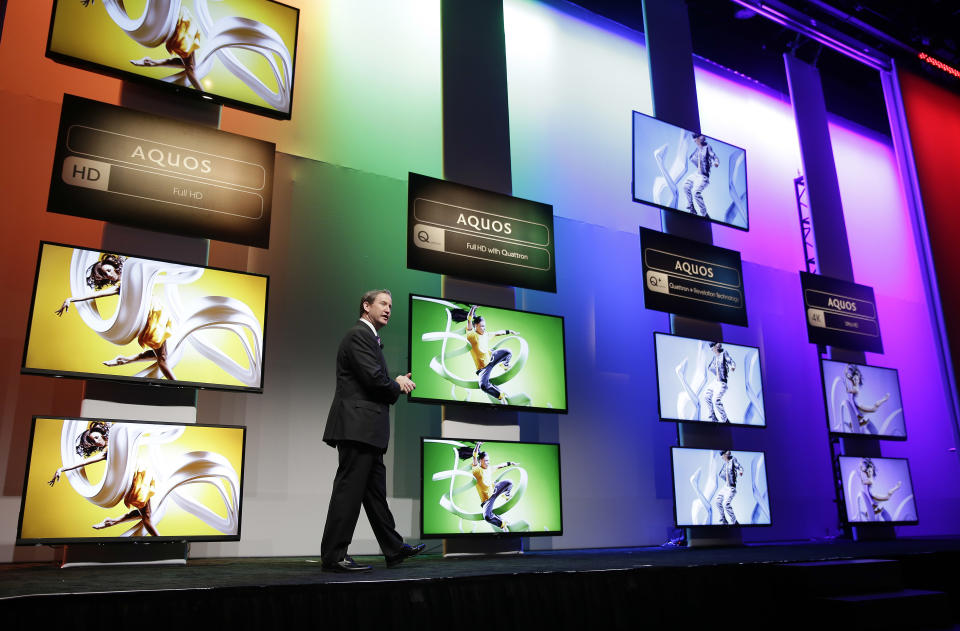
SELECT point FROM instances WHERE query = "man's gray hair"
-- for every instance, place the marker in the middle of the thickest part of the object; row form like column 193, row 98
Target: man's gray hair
column 370, row 296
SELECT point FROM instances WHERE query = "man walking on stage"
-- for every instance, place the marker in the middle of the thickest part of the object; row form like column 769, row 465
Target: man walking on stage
column 358, row 425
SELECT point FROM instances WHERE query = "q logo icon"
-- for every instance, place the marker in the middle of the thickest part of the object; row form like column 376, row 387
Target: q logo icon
column 658, row 282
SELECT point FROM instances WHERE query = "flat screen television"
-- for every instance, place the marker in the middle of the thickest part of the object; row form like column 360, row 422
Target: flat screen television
column 237, row 52
column 862, row 400
column 877, row 491
column 720, row 487
column 491, row 356
column 104, row 480
column 680, row 170
column 477, row 488
column 708, row 381
column 108, row 315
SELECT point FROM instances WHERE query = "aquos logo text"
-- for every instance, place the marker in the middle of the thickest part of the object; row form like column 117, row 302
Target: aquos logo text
column 693, row 269
column 842, row 305
column 169, row 159
column 482, row 223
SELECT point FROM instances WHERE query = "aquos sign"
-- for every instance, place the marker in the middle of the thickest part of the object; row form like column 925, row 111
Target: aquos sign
column 133, row 168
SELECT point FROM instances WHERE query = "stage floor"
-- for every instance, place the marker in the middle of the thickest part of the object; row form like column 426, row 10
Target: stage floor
column 26, row 580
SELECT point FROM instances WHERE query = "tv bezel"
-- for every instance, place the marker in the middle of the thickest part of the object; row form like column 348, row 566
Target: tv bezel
column 826, row 403
column 633, row 172
column 871, row 524
column 46, row 372
column 673, row 478
column 189, row 92
column 664, row 419
column 492, row 534
column 20, row 541
column 497, row 406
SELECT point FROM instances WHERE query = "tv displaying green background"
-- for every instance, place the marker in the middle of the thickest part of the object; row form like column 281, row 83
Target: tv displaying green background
column 526, row 475
column 523, row 366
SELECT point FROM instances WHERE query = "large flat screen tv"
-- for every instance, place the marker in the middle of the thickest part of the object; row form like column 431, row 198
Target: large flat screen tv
column 238, row 52
column 862, row 400
column 491, row 356
column 720, row 487
column 877, row 491
column 681, row 170
column 708, row 381
column 103, row 480
column 489, row 488
column 107, row 315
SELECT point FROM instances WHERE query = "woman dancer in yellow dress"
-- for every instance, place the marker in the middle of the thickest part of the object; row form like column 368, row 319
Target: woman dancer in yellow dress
column 142, row 487
column 108, row 272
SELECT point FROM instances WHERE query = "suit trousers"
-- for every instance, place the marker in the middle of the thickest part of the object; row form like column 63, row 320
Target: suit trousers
column 361, row 480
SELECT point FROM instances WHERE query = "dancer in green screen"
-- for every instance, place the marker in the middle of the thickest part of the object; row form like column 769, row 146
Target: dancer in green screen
column 488, row 491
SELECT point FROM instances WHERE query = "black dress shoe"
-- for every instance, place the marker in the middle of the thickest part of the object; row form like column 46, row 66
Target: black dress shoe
column 346, row 566
column 406, row 552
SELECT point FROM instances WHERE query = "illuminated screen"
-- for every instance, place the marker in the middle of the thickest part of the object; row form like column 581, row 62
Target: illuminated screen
column 239, row 52
column 111, row 316
column 501, row 488
column 713, row 487
column 877, row 490
column 702, row 380
column 674, row 170
column 108, row 480
column 863, row 400
column 474, row 354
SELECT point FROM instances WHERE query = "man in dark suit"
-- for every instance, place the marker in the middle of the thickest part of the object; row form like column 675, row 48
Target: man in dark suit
column 358, row 425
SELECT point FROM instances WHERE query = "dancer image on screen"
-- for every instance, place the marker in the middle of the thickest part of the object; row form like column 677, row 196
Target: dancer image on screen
column 853, row 380
column 720, row 367
column 95, row 439
column 703, row 157
column 730, row 470
column 105, row 277
column 358, row 425
column 488, row 491
column 868, row 475
column 479, row 339
column 182, row 43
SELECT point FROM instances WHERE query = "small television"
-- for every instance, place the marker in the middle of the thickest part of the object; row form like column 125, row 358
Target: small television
column 683, row 171
column 720, row 487
column 472, row 354
column 475, row 488
column 862, row 400
column 708, row 381
column 106, row 315
column 104, row 480
column 240, row 53
column 877, row 491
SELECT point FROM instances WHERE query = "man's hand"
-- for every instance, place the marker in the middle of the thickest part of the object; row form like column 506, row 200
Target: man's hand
column 406, row 384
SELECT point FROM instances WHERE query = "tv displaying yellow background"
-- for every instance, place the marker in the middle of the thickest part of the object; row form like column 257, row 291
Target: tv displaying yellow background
column 103, row 479
column 113, row 316
column 239, row 52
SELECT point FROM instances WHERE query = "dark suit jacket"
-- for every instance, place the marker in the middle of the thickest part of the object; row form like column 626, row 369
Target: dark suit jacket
column 360, row 410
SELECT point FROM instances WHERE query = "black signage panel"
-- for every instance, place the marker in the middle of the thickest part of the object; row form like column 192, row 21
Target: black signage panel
column 692, row 279
column 133, row 168
column 481, row 235
column 840, row 313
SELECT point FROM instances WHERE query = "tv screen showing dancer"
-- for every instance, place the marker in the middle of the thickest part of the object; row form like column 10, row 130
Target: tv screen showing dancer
column 107, row 315
column 685, row 171
column 99, row 480
column 474, row 354
column 877, row 491
column 488, row 488
column 709, row 381
column 720, row 487
column 238, row 52
column 862, row 400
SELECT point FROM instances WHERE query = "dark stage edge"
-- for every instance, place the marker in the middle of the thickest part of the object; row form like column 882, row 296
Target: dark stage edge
column 789, row 584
